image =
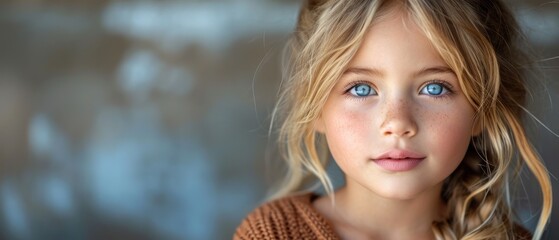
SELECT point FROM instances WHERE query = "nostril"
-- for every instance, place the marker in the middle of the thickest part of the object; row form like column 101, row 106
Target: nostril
column 400, row 134
column 399, row 124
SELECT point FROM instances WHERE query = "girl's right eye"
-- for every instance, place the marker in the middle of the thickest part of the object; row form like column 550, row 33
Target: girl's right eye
column 362, row 90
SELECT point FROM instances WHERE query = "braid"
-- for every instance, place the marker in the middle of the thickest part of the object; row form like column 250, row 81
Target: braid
column 473, row 207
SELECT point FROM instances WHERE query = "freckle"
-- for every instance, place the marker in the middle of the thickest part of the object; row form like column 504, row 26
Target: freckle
column 443, row 117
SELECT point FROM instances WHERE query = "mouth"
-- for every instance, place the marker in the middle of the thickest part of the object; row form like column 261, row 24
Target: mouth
column 399, row 160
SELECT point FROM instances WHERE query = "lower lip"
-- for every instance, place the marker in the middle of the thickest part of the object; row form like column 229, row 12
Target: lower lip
column 398, row 165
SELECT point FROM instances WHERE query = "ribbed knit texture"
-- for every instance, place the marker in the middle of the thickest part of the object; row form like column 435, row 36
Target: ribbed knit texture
column 287, row 218
column 294, row 217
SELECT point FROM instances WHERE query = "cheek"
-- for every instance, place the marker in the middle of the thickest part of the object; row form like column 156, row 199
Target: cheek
column 451, row 134
column 346, row 131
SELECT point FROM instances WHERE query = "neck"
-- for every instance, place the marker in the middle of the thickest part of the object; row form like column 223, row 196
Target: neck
column 387, row 218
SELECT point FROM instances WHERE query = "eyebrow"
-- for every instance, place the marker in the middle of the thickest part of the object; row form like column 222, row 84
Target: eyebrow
column 364, row 71
column 379, row 73
column 433, row 70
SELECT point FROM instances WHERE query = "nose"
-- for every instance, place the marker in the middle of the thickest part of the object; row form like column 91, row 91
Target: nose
column 398, row 120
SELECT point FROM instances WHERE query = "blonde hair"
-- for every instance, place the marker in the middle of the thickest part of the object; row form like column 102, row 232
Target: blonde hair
column 477, row 39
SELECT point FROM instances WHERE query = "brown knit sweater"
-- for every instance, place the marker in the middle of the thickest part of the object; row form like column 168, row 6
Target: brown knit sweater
column 286, row 218
column 295, row 218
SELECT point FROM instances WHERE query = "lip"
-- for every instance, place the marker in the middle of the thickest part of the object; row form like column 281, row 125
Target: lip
column 399, row 160
column 400, row 154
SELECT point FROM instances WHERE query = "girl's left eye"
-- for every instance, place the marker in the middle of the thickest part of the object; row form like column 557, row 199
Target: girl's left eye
column 435, row 89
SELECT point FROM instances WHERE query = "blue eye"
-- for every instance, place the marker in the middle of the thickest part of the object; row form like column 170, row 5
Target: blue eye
column 435, row 89
column 362, row 90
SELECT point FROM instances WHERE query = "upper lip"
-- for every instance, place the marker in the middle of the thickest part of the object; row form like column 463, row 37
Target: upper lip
column 400, row 154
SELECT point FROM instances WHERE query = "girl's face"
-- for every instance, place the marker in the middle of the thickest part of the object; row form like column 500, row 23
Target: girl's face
column 397, row 122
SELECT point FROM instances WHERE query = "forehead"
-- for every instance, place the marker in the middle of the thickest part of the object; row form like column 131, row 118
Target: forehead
column 395, row 40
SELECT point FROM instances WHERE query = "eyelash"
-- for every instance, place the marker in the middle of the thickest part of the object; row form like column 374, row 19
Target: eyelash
column 355, row 84
column 445, row 84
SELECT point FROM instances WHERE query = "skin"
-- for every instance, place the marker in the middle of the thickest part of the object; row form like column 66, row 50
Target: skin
column 397, row 61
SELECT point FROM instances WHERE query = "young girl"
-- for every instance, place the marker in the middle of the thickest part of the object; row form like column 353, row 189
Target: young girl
column 419, row 102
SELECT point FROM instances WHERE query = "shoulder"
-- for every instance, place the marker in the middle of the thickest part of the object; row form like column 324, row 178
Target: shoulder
column 290, row 217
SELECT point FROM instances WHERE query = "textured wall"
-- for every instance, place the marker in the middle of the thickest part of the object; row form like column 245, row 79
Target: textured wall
column 148, row 119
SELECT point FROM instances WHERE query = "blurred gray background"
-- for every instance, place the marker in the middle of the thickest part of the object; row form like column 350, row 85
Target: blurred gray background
column 148, row 119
